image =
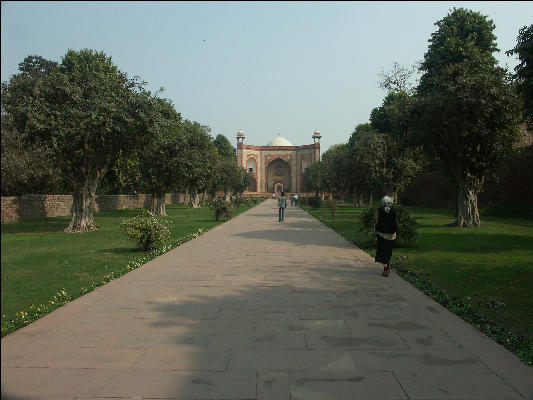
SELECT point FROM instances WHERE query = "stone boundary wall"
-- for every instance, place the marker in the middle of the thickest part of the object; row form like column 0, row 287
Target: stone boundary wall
column 510, row 183
column 36, row 206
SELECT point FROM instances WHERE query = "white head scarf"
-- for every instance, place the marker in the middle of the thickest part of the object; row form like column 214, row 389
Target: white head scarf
column 386, row 202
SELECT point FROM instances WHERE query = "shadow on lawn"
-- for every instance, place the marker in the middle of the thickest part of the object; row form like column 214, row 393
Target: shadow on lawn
column 35, row 226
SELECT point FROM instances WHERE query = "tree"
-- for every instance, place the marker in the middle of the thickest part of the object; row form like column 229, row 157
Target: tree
column 244, row 181
column 27, row 168
column 198, row 166
column 224, row 148
column 368, row 155
column 336, row 164
column 467, row 112
column 524, row 70
column 228, row 176
column 398, row 79
column 159, row 161
column 84, row 110
column 124, row 175
column 401, row 156
column 314, row 177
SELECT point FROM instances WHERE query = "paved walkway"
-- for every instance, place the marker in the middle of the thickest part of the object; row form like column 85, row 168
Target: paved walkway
column 256, row 309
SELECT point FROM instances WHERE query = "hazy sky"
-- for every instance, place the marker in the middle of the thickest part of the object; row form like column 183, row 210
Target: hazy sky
column 267, row 68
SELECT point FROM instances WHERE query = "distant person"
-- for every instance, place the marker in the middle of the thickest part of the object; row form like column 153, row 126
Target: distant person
column 282, row 203
column 386, row 228
column 292, row 199
column 296, row 199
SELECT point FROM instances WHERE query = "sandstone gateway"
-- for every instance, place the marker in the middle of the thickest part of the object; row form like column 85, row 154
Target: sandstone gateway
column 278, row 166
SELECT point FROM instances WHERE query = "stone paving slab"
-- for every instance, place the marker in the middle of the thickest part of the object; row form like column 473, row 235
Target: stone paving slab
column 257, row 309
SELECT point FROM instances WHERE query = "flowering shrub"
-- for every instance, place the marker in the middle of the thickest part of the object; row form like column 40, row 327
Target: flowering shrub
column 147, row 230
column 221, row 208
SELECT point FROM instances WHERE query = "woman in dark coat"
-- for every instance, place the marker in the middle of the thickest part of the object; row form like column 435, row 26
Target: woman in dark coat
column 386, row 228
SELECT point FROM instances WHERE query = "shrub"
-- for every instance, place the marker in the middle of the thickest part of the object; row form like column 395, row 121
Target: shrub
column 221, row 208
column 407, row 225
column 314, row 202
column 146, row 230
column 239, row 201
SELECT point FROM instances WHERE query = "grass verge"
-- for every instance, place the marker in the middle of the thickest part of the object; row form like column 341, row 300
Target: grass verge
column 44, row 268
column 481, row 274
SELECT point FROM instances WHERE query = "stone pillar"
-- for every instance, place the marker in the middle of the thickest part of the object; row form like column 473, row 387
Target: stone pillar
column 294, row 172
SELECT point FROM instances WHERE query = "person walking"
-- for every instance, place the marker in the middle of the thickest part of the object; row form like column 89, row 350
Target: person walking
column 386, row 227
column 282, row 203
column 296, row 199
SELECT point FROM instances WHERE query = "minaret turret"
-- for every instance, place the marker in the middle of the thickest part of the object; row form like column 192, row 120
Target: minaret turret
column 316, row 136
column 240, row 136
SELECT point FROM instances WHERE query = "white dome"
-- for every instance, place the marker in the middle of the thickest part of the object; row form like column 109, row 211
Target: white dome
column 279, row 141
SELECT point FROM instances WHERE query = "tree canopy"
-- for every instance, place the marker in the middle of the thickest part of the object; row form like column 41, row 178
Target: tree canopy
column 524, row 69
column 224, row 148
column 462, row 36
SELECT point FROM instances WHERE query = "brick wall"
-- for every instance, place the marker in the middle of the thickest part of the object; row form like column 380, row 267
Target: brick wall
column 511, row 183
column 37, row 206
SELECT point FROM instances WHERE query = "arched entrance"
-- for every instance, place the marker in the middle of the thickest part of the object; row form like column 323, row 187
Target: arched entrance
column 278, row 176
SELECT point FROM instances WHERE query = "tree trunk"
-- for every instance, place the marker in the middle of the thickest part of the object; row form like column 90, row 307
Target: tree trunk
column 82, row 219
column 161, row 210
column 195, row 198
column 467, row 213
column 370, row 200
column 185, row 200
column 153, row 203
column 359, row 196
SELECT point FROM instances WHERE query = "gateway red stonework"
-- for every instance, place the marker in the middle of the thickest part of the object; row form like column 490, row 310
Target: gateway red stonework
column 278, row 166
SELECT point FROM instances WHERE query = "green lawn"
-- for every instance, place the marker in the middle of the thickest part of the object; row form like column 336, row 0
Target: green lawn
column 492, row 264
column 39, row 259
